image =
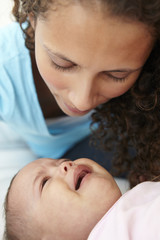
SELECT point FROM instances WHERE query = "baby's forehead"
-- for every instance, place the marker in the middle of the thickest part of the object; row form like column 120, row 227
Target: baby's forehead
column 12, row 183
column 31, row 170
column 18, row 193
column 8, row 198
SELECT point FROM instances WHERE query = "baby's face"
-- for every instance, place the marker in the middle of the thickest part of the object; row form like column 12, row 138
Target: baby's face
column 63, row 198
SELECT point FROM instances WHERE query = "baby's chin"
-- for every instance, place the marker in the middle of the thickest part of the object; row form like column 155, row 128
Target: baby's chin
column 74, row 235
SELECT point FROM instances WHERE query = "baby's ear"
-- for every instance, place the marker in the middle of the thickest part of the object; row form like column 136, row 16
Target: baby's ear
column 32, row 20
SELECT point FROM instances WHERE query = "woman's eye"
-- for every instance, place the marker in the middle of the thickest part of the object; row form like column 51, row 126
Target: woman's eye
column 62, row 68
column 117, row 78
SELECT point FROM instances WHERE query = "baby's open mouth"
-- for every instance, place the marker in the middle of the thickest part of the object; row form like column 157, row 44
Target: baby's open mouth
column 80, row 173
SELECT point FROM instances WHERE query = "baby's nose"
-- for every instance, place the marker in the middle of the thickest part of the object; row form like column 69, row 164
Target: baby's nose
column 66, row 166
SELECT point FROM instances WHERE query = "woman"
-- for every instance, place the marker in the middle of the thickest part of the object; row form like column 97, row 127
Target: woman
column 85, row 55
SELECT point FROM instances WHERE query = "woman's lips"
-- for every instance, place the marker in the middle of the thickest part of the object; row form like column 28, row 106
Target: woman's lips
column 75, row 110
column 80, row 173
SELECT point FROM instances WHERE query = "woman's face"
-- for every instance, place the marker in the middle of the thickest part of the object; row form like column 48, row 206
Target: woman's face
column 86, row 58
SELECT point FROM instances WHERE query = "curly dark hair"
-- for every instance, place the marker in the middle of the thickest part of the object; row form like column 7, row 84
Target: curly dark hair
column 131, row 121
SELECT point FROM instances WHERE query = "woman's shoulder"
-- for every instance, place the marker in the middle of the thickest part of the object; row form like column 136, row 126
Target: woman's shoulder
column 10, row 30
column 11, row 41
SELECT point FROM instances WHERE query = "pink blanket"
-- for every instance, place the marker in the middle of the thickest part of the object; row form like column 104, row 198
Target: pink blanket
column 135, row 216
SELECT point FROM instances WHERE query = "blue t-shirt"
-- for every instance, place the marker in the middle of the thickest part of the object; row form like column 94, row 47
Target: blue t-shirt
column 19, row 105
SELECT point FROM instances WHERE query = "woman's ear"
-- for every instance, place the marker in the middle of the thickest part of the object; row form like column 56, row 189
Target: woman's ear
column 32, row 20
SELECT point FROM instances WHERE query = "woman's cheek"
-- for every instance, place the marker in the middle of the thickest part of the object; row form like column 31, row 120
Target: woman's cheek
column 116, row 90
column 119, row 88
column 54, row 79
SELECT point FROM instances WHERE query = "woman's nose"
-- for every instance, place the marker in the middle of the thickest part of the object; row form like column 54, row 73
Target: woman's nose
column 85, row 94
column 83, row 99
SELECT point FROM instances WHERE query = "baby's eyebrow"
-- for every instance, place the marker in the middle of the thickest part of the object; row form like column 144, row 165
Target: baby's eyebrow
column 38, row 174
column 41, row 169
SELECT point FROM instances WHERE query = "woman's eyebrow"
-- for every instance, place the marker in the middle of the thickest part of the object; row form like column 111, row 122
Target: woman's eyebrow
column 63, row 57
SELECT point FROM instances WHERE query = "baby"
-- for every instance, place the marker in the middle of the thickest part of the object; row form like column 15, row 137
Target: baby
column 58, row 200
column 65, row 200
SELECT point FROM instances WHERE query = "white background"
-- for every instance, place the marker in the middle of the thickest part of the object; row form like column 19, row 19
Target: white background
column 5, row 9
